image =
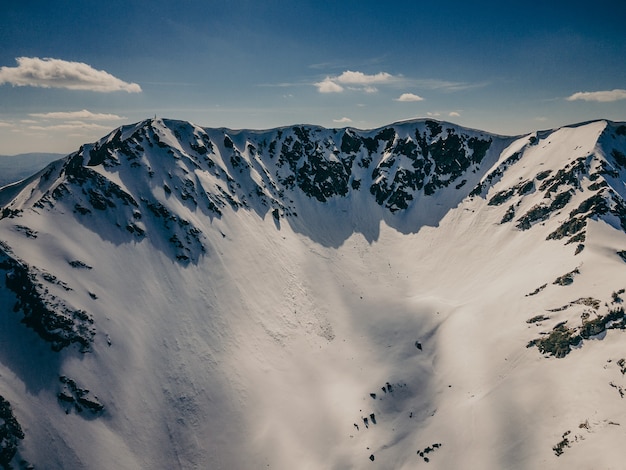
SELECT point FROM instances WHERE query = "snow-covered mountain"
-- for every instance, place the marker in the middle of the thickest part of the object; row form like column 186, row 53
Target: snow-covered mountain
column 418, row 294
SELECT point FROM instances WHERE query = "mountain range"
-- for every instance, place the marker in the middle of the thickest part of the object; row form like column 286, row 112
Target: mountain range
column 420, row 294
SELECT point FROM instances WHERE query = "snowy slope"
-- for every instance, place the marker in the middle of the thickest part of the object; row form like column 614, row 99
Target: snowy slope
column 180, row 297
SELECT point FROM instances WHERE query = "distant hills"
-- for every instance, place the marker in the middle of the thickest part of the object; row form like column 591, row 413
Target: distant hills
column 16, row 167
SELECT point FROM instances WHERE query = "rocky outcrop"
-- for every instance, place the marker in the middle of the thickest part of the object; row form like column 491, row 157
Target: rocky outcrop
column 10, row 433
column 51, row 317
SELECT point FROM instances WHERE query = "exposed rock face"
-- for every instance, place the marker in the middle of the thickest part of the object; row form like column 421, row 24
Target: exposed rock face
column 50, row 316
column 72, row 397
column 10, row 433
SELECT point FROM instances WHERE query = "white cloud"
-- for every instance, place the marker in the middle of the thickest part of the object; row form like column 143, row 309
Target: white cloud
column 5, row 124
column 362, row 82
column 328, row 86
column 433, row 114
column 359, row 78
column 359, row 81
column 454, row 114
column 343, row 120
column 600, row 96
column 57, row 73
column 84, row 114
column 409, row 97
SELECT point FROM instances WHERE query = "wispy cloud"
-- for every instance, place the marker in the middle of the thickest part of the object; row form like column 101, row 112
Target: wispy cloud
column 444, row 85
column 71, row 126
column 365, row 89
column 454, row 114
column 359, row 81
column 57, row 73
column 354, row 81
column 283, row 84
column 409, row 97
column 599, row 96
column 74, row 115
column 343, row 120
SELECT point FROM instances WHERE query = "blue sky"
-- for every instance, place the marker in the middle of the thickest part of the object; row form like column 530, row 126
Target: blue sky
column 72, row 71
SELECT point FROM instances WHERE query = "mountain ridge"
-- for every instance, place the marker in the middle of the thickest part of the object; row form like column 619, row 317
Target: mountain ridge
column 333, row 177
column 191, row 292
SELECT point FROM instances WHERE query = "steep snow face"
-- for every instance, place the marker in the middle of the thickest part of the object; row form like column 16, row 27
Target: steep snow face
column 180, row 297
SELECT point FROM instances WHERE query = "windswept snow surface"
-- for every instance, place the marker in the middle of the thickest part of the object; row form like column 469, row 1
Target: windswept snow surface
column 243, row 323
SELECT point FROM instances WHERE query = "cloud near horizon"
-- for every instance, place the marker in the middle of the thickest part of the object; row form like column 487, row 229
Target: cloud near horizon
column 57, row 73
column 343, row 120
column 71, row 126
column 409, row 97
column 358, row 81
column 74, row 115
column 598, row 96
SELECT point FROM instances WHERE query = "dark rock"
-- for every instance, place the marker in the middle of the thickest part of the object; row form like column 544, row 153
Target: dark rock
column 71, row 396
column 566, row 279
column 49, row 316
column 10, row 433
column 79, row 264
column 508, row 215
